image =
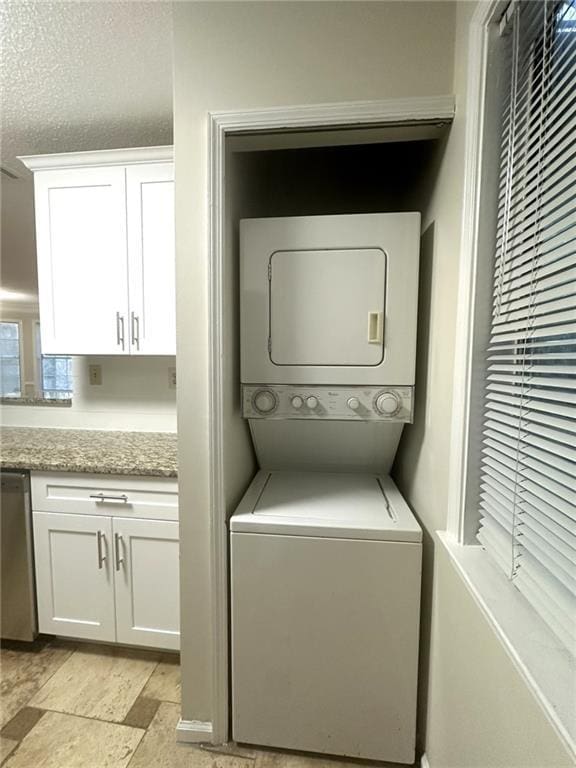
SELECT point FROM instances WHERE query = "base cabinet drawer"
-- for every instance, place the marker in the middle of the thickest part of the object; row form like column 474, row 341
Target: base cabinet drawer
column 153, row 498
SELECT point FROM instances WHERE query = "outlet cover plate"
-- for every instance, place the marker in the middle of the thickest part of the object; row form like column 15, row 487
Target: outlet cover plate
column 95, row 374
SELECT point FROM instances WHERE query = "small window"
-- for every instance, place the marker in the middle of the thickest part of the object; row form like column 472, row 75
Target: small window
column 57, row 377
column 10, row 375
column 525, row 477
column 55, row 373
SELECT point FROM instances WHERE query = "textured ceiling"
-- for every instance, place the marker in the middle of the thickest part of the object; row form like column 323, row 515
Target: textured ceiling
column 84, row 75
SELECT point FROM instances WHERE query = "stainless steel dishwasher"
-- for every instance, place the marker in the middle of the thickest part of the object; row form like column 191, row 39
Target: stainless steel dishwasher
column 18, row 617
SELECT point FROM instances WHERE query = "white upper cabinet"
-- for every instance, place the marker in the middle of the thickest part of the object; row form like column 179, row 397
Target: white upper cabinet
column 150, row 202
column 81, row 245
column 105, row 246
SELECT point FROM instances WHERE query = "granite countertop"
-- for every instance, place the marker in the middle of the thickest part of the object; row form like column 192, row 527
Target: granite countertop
column 86, row 450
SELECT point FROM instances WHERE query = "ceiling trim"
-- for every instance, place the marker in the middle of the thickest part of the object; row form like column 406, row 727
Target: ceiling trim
column 130, row 156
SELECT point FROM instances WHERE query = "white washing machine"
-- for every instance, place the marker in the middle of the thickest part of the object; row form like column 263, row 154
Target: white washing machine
column 325, row 587
column 325, row 554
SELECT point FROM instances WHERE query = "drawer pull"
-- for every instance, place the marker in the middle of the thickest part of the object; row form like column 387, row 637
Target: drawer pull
column 102, row 497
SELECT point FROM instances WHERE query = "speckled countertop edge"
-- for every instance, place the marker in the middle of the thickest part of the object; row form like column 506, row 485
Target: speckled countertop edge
column 93, row 451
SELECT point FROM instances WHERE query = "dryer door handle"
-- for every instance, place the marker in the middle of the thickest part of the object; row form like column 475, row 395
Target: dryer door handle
column 375, row 327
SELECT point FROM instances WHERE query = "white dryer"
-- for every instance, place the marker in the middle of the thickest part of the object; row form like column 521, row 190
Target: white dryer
column 328, row 308
column 325, row 588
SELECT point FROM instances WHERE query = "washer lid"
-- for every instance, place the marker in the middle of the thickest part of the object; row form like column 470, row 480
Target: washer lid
column 326, row 504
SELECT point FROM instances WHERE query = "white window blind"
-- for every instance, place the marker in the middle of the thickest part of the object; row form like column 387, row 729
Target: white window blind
column 528, row 468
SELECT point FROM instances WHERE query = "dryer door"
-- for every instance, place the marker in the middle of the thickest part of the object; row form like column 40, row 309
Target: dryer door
column 327, row 307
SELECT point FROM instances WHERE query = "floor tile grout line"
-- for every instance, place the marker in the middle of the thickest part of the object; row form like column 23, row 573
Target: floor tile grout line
column 27, row 702
column 68, row 653
column 39, row 709
column 85, row 717
column 224, row 753
column 93, row 719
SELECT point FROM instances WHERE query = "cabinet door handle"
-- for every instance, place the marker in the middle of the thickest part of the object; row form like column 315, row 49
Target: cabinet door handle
column 118, row 550
column 135, row 330
column 102, row 497
column 120, row 330
column 101, row 556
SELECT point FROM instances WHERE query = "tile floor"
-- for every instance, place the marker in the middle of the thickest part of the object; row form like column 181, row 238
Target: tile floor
column 75, row 705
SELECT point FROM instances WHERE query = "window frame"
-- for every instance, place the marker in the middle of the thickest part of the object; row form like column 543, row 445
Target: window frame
column 20, row 359
column 523, row 634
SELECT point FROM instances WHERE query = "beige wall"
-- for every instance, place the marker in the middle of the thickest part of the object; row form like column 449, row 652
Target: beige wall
column 480, row 711
column 17, row 237
column 475, row 709
column 248, row 55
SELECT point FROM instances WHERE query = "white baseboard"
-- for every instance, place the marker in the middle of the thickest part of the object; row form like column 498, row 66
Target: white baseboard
column 424, row 761
column 193, row 731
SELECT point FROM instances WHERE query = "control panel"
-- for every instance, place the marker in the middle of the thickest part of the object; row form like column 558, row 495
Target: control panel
column 297, row 401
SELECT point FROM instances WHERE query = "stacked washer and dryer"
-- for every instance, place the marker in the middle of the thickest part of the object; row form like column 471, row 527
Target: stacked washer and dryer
column 325, row 554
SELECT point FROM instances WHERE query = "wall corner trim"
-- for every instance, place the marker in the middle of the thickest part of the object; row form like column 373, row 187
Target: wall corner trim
column 424, row 762
column 193, row 731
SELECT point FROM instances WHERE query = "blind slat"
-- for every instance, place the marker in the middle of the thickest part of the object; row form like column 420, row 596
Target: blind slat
column 527, row 468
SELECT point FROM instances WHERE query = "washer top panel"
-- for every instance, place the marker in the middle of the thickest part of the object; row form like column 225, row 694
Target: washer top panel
column 328, row 505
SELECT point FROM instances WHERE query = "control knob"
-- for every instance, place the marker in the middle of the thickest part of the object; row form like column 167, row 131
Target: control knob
column 388, row 403
column 264, row 401
column 297, row 402
column 312, row 402
column 353, row 403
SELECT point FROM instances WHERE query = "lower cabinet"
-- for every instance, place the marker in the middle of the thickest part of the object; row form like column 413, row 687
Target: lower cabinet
column 105, row 576
column 146, row 582
column 74, row 575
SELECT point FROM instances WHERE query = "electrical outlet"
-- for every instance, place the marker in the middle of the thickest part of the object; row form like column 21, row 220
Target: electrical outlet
column 171, row 378
column 95, row 374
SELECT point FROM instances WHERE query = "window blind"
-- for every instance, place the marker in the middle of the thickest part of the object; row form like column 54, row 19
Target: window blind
column 528, row 460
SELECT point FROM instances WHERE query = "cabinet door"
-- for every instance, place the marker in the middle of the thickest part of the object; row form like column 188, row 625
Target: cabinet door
column 150, row 199
column 82, row 267
column 147, row 583
column 74, row 576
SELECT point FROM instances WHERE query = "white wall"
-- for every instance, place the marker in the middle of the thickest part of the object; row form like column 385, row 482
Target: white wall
column 243, row 55
column 475, row 709
column 134, row 395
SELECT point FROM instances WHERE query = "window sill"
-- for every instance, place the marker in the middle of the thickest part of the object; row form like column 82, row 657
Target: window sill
column 546, row 665
column 50, row 402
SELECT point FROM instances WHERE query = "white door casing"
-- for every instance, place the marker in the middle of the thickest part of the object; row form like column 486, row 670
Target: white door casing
column 222, row 125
